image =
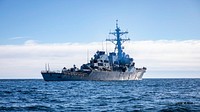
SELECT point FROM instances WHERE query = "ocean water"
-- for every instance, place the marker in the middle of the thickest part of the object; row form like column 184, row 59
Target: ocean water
column 164, row 95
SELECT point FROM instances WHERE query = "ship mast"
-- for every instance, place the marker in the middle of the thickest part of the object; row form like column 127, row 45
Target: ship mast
column 118, row 41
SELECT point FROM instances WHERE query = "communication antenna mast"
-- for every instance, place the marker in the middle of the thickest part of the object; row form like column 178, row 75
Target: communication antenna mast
column 87, row 56
column 118, row 41
column 48, row 67
column 106, row 48
column 45, row 67
column 102, row 46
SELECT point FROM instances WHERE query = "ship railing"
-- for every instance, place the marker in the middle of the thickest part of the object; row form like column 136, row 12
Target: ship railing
column 46, row 71
column 144, row 68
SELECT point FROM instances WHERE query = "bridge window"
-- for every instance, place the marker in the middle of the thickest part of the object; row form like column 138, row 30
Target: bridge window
column 100, row 64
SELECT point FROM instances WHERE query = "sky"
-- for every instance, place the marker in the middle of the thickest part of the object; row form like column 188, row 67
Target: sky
column 165, row 34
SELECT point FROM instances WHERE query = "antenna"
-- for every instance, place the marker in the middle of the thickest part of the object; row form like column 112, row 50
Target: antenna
column 48, row 67
column 118, row 41
column 87, row 56
column 45, row 67
column 106, row 48
column 116, row 23
column 102, row 46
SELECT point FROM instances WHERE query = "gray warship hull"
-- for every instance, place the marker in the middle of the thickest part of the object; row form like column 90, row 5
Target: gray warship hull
column 94, row 75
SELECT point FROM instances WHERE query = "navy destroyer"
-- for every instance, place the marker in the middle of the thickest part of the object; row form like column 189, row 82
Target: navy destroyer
column 113, row 66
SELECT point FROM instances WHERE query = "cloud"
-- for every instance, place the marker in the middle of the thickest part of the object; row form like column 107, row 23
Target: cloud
column 163, row 58
column 17, row 38
column 30, row 42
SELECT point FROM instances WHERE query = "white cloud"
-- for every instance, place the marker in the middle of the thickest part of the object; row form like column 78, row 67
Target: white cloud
column 30, row 42
column 17, row 38
column 163, row 58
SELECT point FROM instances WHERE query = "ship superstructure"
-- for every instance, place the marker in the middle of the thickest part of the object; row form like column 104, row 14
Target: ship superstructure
column 102, row 66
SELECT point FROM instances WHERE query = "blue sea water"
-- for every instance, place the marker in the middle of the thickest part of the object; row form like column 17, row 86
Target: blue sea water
column 164, row 95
